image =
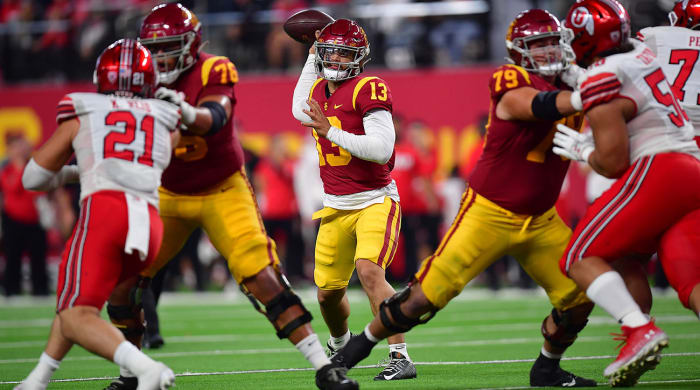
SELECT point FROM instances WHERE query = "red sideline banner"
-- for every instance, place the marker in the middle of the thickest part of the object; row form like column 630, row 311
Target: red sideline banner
column 447, row 100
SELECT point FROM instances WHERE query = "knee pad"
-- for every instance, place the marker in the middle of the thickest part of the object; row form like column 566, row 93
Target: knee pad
column 568, row 326
column 398, row 322
column 278, row 305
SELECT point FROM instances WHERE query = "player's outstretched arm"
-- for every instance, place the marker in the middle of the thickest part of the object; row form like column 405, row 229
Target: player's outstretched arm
column 46, row 170
column 208, row 117
column 531, row 104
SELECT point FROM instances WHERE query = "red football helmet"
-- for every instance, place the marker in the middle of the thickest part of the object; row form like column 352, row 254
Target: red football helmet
column 535, row 25
column 172, row 33
column 126, row 68
column 347, row 39
column 598, row 26
column 686, row 13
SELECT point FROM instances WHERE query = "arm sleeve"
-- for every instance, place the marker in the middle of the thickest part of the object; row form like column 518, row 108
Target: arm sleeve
column 376, row 145
column 599, row 88
column 38, row 178
column 302, row 90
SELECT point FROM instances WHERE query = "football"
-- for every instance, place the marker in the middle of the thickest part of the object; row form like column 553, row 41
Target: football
column 302, row 25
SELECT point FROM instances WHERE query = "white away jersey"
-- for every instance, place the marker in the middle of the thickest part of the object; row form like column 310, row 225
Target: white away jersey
column 678, row 51
column 123, row 144
column 660, row 124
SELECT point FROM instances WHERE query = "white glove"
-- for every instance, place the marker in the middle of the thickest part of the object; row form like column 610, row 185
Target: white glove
column 573, row 76
column 189, row 113
column 572, row 144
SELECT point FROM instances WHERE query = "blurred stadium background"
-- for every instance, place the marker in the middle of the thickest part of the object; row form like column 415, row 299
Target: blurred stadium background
column 436, row 55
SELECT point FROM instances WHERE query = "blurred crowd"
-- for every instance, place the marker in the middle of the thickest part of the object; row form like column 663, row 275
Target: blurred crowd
column 68, row 35
column 60, row 40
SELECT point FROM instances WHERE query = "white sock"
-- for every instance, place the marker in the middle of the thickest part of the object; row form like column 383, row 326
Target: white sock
column 339, row 342
column 41, row 374
column 400, row 348
column 129, row 357
column 609, row 292
column 370, row 336
column 550, row 355
column 313, row 351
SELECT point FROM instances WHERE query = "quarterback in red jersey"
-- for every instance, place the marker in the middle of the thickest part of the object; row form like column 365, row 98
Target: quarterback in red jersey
column 352, row 123
column 508, row 207
column 205, row 186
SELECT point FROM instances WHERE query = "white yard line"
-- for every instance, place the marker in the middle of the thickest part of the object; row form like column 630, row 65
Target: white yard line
column 456, row 363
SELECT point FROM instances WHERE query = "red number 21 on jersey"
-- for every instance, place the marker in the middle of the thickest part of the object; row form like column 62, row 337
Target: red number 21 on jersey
column 128, row 136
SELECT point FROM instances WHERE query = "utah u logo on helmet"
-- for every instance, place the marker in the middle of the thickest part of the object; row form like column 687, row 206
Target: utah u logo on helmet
column 582, row 18
column 598, row 26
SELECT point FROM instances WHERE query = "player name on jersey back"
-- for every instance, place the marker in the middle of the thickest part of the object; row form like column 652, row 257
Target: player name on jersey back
column 122, row 144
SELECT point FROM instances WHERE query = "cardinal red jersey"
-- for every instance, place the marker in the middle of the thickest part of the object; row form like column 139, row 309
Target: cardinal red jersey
column 200, row 162
column 518, row 170
column 341, row 173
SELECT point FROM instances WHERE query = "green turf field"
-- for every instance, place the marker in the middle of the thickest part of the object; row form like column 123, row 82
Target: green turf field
column 478, row 341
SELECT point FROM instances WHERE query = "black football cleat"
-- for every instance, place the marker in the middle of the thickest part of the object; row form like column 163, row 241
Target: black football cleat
column 557, row 378
column 398, row 368
column 333, row 377
column 152, row 341
column 123, row 383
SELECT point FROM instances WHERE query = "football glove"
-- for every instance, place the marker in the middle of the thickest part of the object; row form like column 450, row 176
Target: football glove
column 189, row 113
column 571, row 144
column 573, row 76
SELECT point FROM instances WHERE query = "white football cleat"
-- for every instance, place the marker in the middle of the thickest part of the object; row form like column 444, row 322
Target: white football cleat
column 159, row 378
